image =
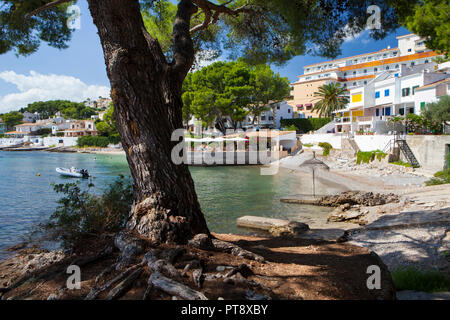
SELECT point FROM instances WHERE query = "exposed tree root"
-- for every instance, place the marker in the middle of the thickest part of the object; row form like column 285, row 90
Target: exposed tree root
column 175, row 288
column 124, row 286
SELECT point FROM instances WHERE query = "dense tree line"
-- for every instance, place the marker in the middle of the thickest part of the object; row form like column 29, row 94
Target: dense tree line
column 68, row 109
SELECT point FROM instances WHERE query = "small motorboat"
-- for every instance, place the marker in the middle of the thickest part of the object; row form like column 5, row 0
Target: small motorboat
column 73, row 172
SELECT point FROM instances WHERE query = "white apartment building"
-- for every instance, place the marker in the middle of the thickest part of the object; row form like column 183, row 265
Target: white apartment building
column 359, row 70
column 391, row 94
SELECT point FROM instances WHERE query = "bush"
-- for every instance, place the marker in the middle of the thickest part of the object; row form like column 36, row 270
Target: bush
column 114, row 138
column 82, row 215
column 305, row 125
column 369, row 156
column 401, row 163
column 414, row 279
column 326, row 148
column 309, row 145
column 43, row 131
column 292, row 127
column 93, row 141
column 440, row 177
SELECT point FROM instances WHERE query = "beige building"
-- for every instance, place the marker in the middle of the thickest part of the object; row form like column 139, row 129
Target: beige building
column 81, row 128
column 303, row 94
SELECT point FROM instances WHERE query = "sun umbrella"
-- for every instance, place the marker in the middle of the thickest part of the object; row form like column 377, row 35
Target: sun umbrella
column 314, row 164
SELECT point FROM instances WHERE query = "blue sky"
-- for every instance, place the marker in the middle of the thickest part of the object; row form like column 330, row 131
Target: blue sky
column 79, row 71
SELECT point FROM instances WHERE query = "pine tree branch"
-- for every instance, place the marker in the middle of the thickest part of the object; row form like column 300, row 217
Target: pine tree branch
column 45, row 7
column 213, row 10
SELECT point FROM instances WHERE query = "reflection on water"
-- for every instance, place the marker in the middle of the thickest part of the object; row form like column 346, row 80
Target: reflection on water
column 225, row 193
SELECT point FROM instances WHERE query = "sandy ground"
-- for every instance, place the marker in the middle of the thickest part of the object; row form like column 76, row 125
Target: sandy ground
column 414, row 232
column 293, row 269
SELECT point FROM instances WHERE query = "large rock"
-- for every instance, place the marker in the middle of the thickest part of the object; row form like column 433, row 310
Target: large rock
column 292, row 229
column 359, row 198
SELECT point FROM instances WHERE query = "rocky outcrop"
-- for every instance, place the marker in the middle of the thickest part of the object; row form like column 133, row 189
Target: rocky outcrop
column 358, row 198
column 292, row 229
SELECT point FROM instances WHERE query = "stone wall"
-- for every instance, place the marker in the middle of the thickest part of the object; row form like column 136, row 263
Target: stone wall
column 430, row 150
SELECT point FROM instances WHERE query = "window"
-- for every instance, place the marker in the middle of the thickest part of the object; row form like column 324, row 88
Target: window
column 354, row 83
column 412, row 63
column 387, row 67
column 401, row 111
column 365, row 70
column 278, row 107
column 409, row 50
column 414, row 89
column 270, row 118
column 375, row 69
column 396, row 66
column 396, row 75
column 377, row 112
column 411, row 110
column 377, row 94
column 354, row 72
column 369, row 59
column 386, row 93
column 263, row 118
column 387, row 112
column 426, row 61
column 345, row 74
column 394, row 53
column 289, row 110
column 365, row 82
column 405, row 92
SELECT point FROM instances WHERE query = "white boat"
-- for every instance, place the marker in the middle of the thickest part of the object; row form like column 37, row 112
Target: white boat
column 73, row 172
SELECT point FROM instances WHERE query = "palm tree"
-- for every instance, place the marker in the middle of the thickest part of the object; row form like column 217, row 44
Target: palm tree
column 331, row 97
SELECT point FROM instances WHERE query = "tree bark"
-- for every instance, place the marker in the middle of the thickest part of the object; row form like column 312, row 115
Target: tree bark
column 146, row 91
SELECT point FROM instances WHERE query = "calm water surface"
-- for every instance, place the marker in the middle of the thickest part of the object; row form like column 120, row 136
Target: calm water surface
column 225, row 193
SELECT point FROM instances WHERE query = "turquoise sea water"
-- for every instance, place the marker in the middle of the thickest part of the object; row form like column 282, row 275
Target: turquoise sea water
column 225, row 193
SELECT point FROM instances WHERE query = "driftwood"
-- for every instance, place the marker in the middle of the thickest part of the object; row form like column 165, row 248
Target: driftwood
column 124, row 286
column 95, row 291
column 105, row 272
column 236, row 250
column 175, row 288
column 243, row 269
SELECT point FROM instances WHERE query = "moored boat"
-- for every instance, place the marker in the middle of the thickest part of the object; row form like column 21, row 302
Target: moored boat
column 73, row 172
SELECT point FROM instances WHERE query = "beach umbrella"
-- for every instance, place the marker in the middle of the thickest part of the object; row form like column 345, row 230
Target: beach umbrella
column 314, row 164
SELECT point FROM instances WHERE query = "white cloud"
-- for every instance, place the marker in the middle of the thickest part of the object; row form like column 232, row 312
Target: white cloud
column 41, row 87
column 350, row 36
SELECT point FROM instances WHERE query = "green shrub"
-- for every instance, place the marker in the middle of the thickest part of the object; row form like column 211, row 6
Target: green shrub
column 414, row 279
column 114, row 138
column 369, row 156
column 401, row 163
column 326, row 148
column 83, row 215
column 305, row 125
column 93, row 141
column 292, row 127
column 440, row 177
column 43, row 131
column 308, row 145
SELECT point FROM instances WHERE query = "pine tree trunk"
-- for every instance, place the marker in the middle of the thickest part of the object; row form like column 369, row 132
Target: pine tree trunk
column 146, row 91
